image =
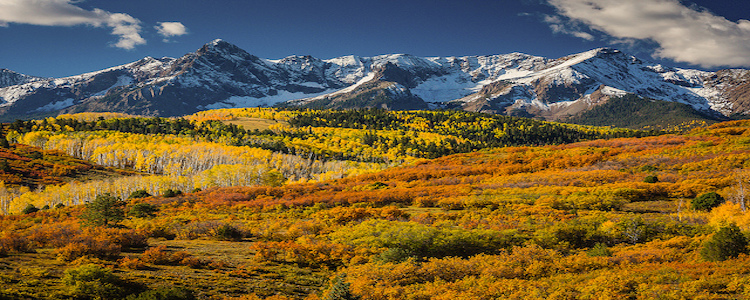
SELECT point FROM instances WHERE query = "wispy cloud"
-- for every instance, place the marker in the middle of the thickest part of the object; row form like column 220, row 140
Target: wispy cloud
column 65, row 13
column 170, row 29
column 685, row 34
column 558, row 25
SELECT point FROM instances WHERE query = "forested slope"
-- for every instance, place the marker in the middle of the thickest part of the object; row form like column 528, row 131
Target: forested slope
column 634, row 112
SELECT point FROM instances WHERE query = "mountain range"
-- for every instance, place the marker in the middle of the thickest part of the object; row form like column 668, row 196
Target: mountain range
column 222, row 75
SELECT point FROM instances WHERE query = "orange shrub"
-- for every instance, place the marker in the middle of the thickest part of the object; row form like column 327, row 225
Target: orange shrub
column 11, row 242
column 306, row 252
column 126, row 238
column 159, row 255
column 132, row 263
column 88, row 246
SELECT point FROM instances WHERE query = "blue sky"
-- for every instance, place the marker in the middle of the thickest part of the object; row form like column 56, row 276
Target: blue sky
column 55, row 38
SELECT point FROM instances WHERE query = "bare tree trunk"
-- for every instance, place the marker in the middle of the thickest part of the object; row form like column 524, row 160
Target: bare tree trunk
column 739, row 197
column 742, row 193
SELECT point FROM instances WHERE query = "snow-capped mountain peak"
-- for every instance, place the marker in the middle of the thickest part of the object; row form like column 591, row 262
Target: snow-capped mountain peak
column 220, row 74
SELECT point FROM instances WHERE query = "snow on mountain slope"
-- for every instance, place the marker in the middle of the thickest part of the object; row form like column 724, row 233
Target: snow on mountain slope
column 10, row 78
column 615, row 69
column 601, row 73
column 220, row 74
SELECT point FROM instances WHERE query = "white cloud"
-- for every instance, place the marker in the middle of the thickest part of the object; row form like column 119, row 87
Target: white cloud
column 682, row 33
column 64, row 13
column 558, row 25
column 170, row 29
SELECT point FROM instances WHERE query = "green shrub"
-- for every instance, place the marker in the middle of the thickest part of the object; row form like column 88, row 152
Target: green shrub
column 394, row 255
column 273, row 178
column 376, row 186
column 143, row 210
column 30, row 208
column 707, row 201
column 94, row 282
column 139, row 194
column 406, row 239
column 599, row 249
column 35, row 155
column 226, row 232
column 169, row 193
column 728, row 242
column 634, row 229
column 576, row 235
column 651, row 179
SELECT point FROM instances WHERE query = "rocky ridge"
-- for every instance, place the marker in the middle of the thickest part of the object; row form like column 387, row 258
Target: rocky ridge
column 221, row 75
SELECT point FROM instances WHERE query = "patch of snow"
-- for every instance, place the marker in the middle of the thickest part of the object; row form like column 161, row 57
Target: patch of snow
column 514, row 74
column 536, row 102
column 715, row 98
column 312, row 85
column 561, row 70
column 56, row 105
column 446, row 88
column 246, row 101
column 121, row 81
column 610, row 91
column 563, row 103
column 158, row 80
column 345, row 61
column 13, row 93
column 404, row 61
column 397, row 89
column 348, row 69
column 151, row 68
column 657, row 68
column 348, row 89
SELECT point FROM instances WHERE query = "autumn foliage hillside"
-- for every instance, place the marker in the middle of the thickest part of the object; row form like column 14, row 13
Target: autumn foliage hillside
column 638, row 217
column 24, row 168
column 209, row 149
column 29, row 166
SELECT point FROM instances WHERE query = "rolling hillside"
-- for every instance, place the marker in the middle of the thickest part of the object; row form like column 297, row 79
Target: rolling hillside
column 621, row 217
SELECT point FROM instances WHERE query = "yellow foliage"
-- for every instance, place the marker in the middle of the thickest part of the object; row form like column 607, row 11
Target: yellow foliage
column 727, row 213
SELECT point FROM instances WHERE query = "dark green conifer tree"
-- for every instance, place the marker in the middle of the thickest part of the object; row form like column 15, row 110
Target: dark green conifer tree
column 728, row 242
column 106, row 210
column 340, row 290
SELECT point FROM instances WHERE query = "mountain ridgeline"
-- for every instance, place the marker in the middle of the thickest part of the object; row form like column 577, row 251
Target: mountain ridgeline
column 222, row 75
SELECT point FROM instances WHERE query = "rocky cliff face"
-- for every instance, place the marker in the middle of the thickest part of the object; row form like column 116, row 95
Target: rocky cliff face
column 220, row 75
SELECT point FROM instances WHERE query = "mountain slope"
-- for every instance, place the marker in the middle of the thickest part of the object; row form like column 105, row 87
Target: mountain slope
column 633, row 112
column 220, row 75
column 10, row 78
